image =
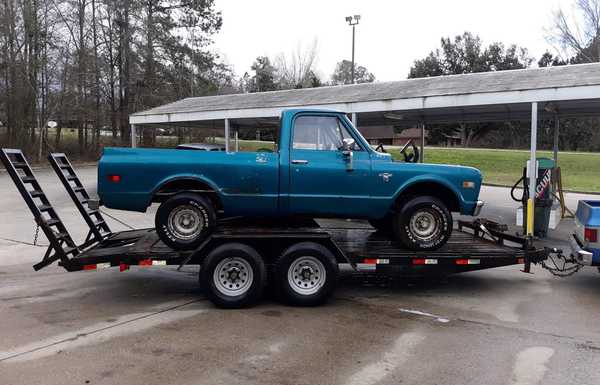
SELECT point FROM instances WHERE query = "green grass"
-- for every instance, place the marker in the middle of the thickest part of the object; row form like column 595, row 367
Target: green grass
column 580, row 171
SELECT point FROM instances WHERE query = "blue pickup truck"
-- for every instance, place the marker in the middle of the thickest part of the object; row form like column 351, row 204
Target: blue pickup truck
column 585, row 243
column 321, row 166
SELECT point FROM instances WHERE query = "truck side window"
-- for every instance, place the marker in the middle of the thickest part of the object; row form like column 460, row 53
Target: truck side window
column 319, row 133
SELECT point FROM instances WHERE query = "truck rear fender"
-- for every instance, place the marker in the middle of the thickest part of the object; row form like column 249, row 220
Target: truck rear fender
column 192, row 183
column 432, row 186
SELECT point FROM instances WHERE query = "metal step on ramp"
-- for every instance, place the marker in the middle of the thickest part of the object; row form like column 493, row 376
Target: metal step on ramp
column 99, row 229
column 62, row 246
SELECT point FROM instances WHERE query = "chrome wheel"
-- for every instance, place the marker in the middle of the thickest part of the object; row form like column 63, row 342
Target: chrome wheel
column 233, row 276
column 185, row 222
column 306, row 275
column 424, row 225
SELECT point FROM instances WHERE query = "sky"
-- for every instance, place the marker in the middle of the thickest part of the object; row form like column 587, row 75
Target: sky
column 390, row 36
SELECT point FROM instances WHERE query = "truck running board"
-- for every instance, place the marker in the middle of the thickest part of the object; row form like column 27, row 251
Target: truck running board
column 62, row 245
column 99, row 229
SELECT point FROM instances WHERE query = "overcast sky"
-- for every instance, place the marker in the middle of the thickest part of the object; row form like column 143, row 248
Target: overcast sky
column 390, row 36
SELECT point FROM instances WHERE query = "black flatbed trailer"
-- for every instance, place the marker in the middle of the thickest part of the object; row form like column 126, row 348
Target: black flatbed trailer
column 468, row 249
column 266, row 244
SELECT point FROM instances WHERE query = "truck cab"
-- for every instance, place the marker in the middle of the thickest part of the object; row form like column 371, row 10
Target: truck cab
column 325, row 176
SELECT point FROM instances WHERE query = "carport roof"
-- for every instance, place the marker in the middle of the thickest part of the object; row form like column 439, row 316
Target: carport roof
column 575, row 89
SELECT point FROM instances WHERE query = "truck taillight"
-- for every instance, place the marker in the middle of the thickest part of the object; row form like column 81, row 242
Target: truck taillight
column 114, row 178
column 591, row 235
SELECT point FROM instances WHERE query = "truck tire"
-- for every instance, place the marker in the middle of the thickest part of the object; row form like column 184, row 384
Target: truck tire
column 306, row 274
column 233, row 276
column 184, row 221
column 423, row 223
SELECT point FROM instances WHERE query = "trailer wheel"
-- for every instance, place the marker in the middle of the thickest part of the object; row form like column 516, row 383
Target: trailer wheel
column 233, row 275
column 306, row 274
column 184, row 221
column 423, row 223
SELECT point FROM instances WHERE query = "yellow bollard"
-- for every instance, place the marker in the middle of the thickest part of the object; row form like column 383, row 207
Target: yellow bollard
column 530, row 215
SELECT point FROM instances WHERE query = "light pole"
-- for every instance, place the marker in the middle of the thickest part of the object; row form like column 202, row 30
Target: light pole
column 353, row 21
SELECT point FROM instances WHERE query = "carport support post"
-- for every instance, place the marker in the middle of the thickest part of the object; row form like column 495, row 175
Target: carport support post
column 532, row 170
column 556, row 132
column 555, row 152
column 226, row 135
column 355, row 120
column 422, row 157
column 133, row 136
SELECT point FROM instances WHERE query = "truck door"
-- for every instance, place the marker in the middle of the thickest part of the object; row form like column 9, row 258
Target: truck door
column 321, row 182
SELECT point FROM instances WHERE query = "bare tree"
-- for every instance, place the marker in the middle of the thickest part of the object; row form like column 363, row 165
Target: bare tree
column 297, row 69
column 90, row 63
column 577, row 33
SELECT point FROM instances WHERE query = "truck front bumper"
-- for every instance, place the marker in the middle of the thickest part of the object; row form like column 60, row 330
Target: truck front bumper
column 478, row 206
column 582, row 256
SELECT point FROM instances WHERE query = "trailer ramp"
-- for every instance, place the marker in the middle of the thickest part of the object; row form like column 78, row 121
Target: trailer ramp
column 62, row 246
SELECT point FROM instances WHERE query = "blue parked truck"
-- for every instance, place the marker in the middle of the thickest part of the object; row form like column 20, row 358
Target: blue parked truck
column 585, row 243
column 321, row 167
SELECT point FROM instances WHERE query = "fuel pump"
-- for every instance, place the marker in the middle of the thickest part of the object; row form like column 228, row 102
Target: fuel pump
column 543, row 195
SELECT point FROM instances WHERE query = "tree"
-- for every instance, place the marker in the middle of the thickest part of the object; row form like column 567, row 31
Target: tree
column 549, row 60
column 88, row 64
column 264, row 75
column 343, row 74
column 429, row 66
column 465, row 54
column 578, row 34
column 297, row 70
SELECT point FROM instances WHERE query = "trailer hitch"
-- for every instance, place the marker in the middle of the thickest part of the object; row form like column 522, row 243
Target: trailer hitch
column 560, row 265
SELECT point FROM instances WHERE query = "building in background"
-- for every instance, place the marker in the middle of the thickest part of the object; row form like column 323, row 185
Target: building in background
column 387, row 136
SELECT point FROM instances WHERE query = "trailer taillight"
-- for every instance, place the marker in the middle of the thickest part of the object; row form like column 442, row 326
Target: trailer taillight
column 591, row 235
column 114, row 178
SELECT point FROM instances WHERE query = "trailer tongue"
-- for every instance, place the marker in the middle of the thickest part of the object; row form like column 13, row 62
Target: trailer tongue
column 302, row 256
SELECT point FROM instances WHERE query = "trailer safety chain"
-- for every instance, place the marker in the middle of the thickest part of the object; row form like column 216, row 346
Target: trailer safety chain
column 35, row 236
column 565, row 268
column 117, row 220
column 22, row 242
column 35, row 239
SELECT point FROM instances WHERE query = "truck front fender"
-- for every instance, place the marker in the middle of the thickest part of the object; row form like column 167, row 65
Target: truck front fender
column 427, row 180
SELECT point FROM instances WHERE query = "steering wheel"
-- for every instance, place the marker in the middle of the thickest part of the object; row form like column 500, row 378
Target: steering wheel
column 410, row 157
column 380, row 148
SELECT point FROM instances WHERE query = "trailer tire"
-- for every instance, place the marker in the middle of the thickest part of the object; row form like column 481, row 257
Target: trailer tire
column 233, row 276
column 423, row 223
column 305, row 274
column 184, row 221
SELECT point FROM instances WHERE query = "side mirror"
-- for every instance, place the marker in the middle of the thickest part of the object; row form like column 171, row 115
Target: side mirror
column 348, row 144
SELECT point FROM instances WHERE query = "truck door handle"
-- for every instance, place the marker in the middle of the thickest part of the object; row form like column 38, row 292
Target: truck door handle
column 299, row 161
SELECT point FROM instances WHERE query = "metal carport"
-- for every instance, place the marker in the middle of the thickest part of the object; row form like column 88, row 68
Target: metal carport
column 526, row 95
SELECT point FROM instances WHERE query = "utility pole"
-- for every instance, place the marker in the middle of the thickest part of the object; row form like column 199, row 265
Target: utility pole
column 353, row 21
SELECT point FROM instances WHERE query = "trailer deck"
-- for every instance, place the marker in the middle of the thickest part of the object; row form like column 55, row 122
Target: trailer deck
column 468, row 249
